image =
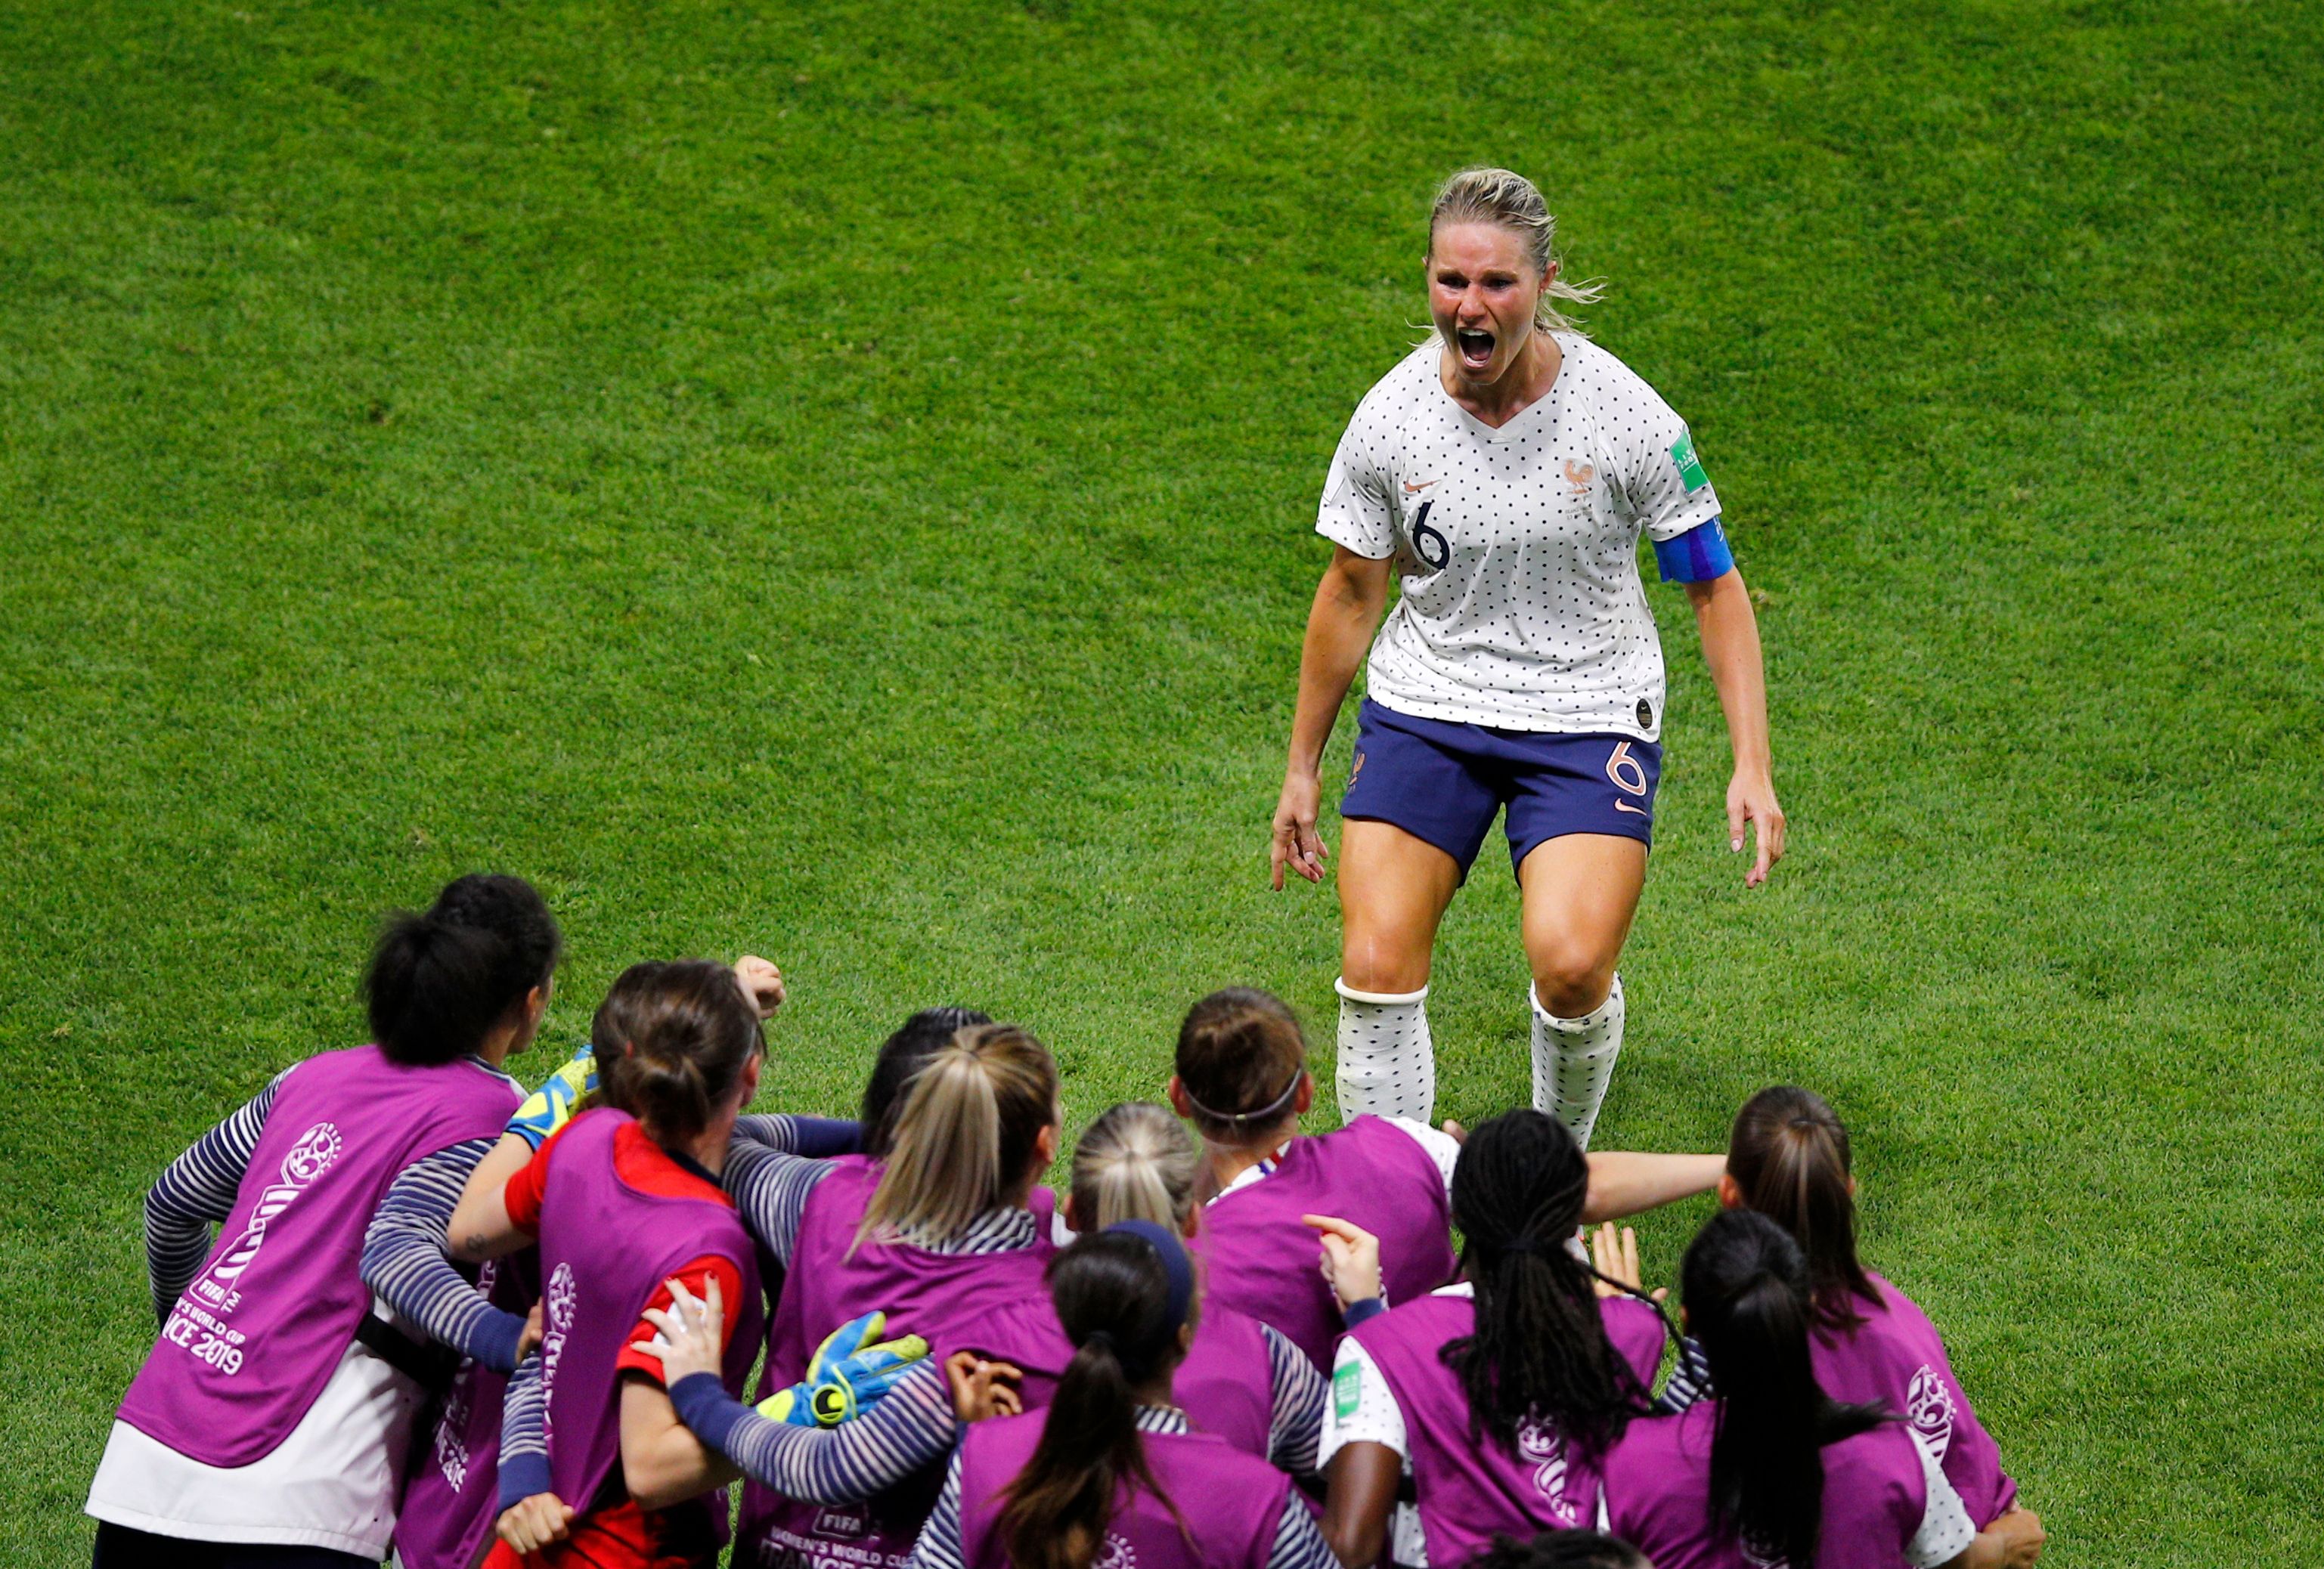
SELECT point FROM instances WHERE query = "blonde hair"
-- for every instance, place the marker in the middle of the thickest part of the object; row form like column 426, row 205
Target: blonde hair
column 971, row 1118
column 1134, row 1162
column 1502, row 196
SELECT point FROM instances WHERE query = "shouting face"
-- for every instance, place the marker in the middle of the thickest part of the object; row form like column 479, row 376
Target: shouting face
column 1482, row 288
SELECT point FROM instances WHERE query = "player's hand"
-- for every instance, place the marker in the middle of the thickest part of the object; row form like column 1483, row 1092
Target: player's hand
column 1751, row 799
column 2021, row 1535
column 532, row 1524
column 1615, row 1255
column 528, row 1340
column 1351, row 1261
column 981, row 1389
column 1296, row 844
column 691, row 1337
column 762, row 982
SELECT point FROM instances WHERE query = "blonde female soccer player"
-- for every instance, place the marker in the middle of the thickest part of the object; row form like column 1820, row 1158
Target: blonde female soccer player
column 1502, row 473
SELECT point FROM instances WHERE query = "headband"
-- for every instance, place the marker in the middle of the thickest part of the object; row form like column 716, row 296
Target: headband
column 1270, row 1109
column 1176, row 1266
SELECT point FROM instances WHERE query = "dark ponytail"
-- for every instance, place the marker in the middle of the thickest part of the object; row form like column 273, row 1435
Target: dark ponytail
column 903, row 1054
column 1789, row 1155
column 440, row 982
column 1745, row 1285
column 671, row 1041
column 1115, row 1296
column 1540, row 1351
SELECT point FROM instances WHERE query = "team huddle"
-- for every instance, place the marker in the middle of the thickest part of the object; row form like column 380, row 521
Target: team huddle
column 445, row 1319
column 448, row 1320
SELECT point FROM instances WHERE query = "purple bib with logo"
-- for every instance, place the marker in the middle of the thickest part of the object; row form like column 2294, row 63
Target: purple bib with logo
column 1229, row 1501
column 256, row 1337
column 922, row 1292
column 1469, row 1491
column 605, row 1250
column 1896, row 1358
column 1226, row 1385
column 1657, row 1486
column 1262, row 1259
column 451, row 1496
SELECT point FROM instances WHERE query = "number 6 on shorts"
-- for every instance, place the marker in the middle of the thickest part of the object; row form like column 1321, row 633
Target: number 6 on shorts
column 1629, row 775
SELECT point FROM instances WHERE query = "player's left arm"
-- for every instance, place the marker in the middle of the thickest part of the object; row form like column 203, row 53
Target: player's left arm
column 1731, row 646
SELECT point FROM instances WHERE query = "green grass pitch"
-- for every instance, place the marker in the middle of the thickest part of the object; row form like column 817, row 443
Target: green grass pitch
column 836, row 480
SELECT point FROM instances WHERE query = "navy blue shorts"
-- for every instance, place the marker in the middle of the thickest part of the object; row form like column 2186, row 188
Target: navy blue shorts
column 1444, row 783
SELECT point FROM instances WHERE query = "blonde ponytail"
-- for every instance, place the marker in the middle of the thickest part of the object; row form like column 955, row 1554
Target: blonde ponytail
column 971, row 1118
column 1502, row 196
column 1134, row 1162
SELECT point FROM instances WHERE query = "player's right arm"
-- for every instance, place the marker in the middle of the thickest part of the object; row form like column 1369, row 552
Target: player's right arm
column 1347, row 605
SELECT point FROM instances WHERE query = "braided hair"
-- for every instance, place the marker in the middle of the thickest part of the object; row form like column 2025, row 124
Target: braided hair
column 1539, row 1353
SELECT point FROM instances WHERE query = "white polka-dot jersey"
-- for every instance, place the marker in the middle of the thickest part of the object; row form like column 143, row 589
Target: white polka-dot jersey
column 1519, row 547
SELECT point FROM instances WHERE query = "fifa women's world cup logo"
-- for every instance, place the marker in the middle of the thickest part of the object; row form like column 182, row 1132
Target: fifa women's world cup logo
column 309, row 1159
column 557, row 1304
column 197, row 1323
column 1114, row 1553
column 1928, row 1408
column 1540, row 1446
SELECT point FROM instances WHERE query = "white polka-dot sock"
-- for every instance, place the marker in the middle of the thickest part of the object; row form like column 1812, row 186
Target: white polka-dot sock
column 1574, row 1061
column 1387, row 1065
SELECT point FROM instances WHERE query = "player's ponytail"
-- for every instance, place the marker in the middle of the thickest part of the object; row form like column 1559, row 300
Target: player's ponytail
column 1124, row 1296
column 1134, row 1162
column 1540, row 1353
column 671, row 1041
column 440, row 982
column 1745, row 1286
column 967, row 1135
column 902, row 1055
column 1501, row 196
column 1242, row 1056
column 1789, row 1154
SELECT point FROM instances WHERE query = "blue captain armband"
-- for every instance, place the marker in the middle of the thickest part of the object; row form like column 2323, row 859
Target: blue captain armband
column 1697, row 555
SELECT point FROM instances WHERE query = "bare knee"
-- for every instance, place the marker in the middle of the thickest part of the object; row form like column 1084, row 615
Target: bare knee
column 1571, row 982
column 1373, row 962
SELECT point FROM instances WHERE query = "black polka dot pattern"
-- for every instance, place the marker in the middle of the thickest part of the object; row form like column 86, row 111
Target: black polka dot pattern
column 1574, row 1061
column 1387, row 1063
column 1517, row 547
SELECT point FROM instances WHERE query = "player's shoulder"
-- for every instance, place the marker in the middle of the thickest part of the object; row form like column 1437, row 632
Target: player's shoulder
column 1394, row 397
column 1601, row 374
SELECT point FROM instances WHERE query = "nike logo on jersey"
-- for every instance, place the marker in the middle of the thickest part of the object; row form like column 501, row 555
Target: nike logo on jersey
column 1412, row 490
column 1626, row 806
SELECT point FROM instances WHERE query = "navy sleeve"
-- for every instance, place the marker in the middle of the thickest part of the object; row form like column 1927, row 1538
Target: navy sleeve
column 1295, row 1425
column 1298, row 1541
column 197, row 1192
column 404, row 1260
column 1689, row 1380
column 940, row 1547
column 524, row 1441
column 912, row 1424
column 770, row 1189
column 814, row 1138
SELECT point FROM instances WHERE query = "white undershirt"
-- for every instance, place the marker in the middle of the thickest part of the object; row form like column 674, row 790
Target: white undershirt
column 332, row 1483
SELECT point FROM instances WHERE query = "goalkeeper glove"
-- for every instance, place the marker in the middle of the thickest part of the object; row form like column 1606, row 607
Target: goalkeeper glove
column 852, row 1370
column 548, row 1108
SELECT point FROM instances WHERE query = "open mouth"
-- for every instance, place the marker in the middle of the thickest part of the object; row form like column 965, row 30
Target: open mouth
column 1476, row 347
